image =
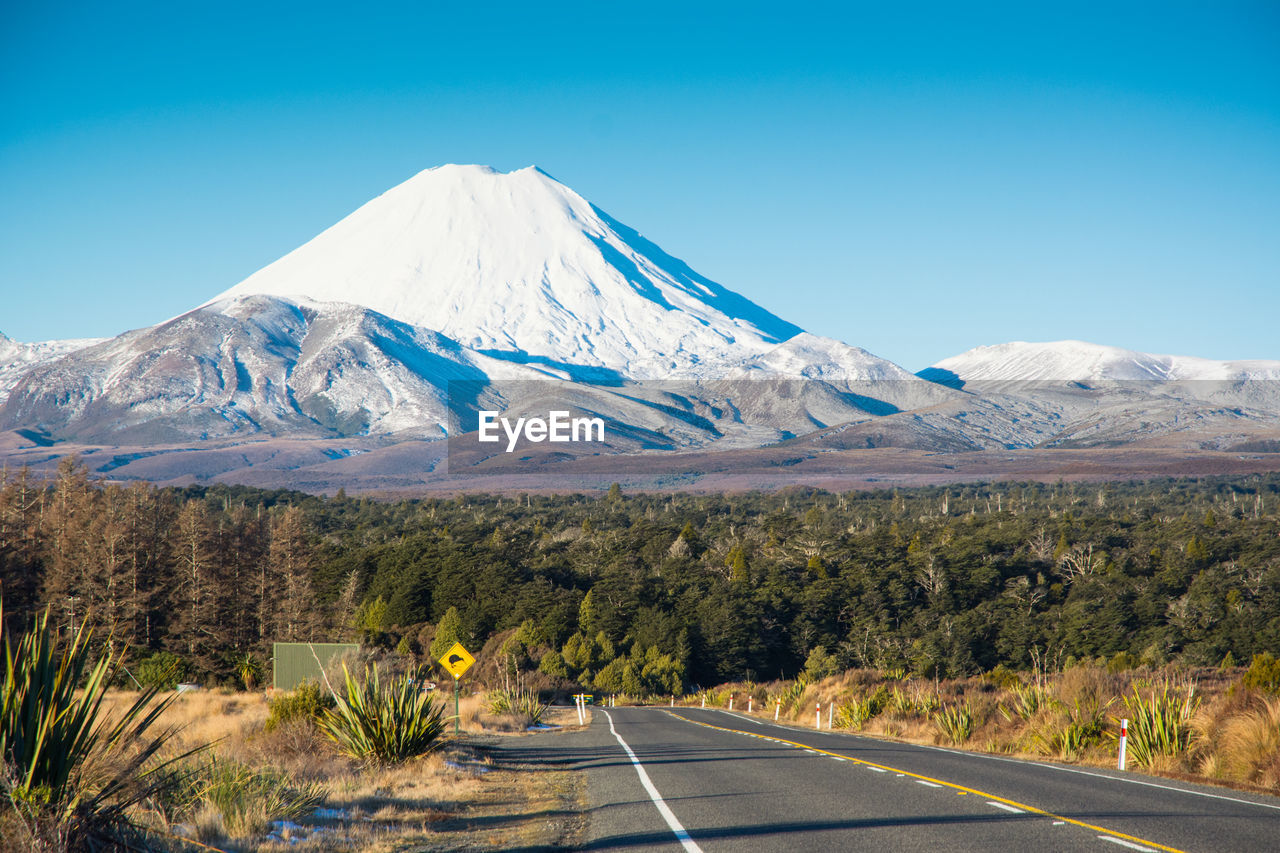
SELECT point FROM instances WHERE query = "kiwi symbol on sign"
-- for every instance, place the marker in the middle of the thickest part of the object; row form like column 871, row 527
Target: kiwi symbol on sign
column 454, row 660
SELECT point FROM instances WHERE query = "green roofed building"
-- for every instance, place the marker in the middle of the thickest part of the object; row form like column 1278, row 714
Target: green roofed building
column 294, row 663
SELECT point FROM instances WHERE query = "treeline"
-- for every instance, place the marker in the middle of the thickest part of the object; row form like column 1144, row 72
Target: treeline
column 660, row 592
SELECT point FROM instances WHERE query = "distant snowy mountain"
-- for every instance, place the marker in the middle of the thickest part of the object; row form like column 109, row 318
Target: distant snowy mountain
column 521, row 267
column 1072, row 393
column 1080, row 361
column 16, row 358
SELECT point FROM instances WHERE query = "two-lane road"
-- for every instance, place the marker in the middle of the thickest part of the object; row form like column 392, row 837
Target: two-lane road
column 667, row 779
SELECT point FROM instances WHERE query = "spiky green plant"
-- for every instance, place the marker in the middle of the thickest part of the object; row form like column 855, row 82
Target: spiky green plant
column 1027, row 701
column 249, row 667
column 68, row 768
column 926, row 703
column 858, row 710
column 1068, row 732
column 248, row 799
column 791, row 695
column 1160, row 722
column 901, row 703
column 955, row 722
column 386, row 722
column 514, row 697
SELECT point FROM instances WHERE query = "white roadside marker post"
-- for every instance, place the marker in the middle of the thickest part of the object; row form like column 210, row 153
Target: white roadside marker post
column 751, row 700
column 673, row 701
column 831, row 707
column 817, row 723
column 777, row 710
column 1124, row 742
column 730, row 703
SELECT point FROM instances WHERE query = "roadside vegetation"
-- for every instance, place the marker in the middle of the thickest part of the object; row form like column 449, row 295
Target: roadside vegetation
column 1219, row 725
column 1019, row 618
column 86, row 767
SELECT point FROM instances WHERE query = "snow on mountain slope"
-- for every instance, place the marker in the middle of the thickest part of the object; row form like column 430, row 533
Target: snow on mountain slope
column 254, row 365
column 1080, row 361
column 16, row 358
column 522, row 267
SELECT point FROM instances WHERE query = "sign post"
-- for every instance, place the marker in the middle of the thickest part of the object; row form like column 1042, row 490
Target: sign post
column 1124, row 743
column 456, row 661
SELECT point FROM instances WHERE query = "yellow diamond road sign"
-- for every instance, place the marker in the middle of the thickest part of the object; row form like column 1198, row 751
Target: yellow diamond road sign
column 457, row 660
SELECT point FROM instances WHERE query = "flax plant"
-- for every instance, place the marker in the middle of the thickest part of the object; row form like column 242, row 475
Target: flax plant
column 1160, row 723
column 70, row 771
column 955, row 722
column 384, row 722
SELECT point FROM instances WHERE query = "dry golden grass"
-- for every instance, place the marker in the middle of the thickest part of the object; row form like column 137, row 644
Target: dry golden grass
column 1251, row 745
column 436, row 801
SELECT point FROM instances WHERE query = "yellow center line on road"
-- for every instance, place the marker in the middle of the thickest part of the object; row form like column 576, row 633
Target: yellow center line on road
column 942, row 782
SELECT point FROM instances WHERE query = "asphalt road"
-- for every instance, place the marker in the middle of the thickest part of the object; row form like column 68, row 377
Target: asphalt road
column 688, row 779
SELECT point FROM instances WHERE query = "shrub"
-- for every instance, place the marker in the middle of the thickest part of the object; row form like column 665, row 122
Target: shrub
column 955, row 722
column 1160, row 724
column 1263, row 674
column 70, row 773
column 386, row 722
column 1122, row 661
column 1002, row 677
column 820, row 664
column 163, row 671
column 305, row 702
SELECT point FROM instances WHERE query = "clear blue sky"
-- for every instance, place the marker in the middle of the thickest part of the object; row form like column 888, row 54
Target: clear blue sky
column 916, row 179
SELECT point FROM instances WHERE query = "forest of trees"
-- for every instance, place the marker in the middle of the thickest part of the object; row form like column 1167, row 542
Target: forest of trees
column 659, row 592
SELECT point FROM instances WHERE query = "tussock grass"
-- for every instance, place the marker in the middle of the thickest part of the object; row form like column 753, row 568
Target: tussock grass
column 1251, row 745
column 234, row 800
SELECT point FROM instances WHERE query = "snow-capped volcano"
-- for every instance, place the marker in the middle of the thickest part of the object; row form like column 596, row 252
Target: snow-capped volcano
column 462, row 272
column 521, row 267
column 1080, row 361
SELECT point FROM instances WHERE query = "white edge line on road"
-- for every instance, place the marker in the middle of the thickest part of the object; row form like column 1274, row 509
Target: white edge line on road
column 1025, row 762
column 737, row 716
column 930, row 784
column 1059, row 767
column 1128, row 844
column 1005, row 807
column 669, row 816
